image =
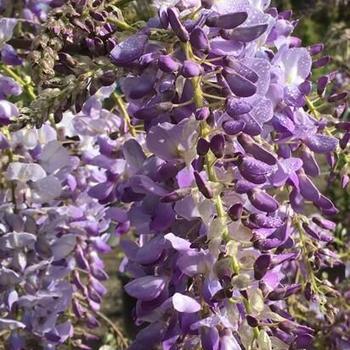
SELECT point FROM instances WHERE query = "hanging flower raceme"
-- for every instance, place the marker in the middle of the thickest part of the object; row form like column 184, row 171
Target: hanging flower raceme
column 233, row 138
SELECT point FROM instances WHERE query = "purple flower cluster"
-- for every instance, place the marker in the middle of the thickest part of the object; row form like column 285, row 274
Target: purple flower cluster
column 224, row 177
column 203, row 158
column 52, row 231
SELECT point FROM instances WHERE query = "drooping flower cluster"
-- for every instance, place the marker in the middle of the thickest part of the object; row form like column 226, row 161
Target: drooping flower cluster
column 223, row 236
column 196, row 138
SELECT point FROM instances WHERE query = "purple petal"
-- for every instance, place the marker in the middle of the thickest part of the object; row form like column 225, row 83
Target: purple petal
column 246, row 34
column 239, row 85
column 233, row 127
column 321, row 143
column 227, row 21
column 146, row 288
column 150, row 251
column 199, row 39
column 129, row 50
column 307, row 189
column 263, row 201
column 184, row 303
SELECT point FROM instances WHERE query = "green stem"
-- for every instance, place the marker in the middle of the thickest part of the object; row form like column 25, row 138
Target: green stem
column 120, row 103
column 248, row 307
column 10, row 72
column 121, row 24
column 209, row 161
column 312, row 108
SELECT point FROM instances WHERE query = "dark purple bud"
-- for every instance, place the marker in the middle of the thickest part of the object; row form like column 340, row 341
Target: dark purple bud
column 239, row 85
column 80, row 258
column 191, row 69
column 308, row 293
column 235, row 212
column 129, row 50
column 323, row 61
column 150, row 112
column 91, row 321
column 227, row 21
column 202, row 147
column 78, row 310
column 319, row 235
column 345, row 140
column 176, row 25
column 67, row 59
column 98, row 16
column 98, row 273
column 199, row 39
column 261, row 266
column 111, row 43
column 256, row 150
column 244, row 186
column 198, row 163
column 307, row 188
column 202, row 113
column 310, row 164
column 316, row 49
column 324, row 223
column 217, row 145
column 284, row 292
column 337, row 97
column 235, row 107
column 108, row 78
column 280, row 311
column 242, row 70
column 223, row 269
column 325, row 204
column 263, row 201
column 210, row 338
column 283, row 336
column 339, row 112
column 233, row 127
column 170, row 169
column 225, row 88
column 52, row 337
column 305, row 88
column 322, row 84
column 98, row 286
column 96, row 46
column 244, row 34
column 252, row 321
column 331, row 160
column 200, row 242
column 303, row 341
column 203, row 186
column 163, row 17
column 167, row 64
column 94, row 296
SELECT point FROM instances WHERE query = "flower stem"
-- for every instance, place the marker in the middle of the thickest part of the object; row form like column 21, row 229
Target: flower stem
column 120, row 103
column 29, row 89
